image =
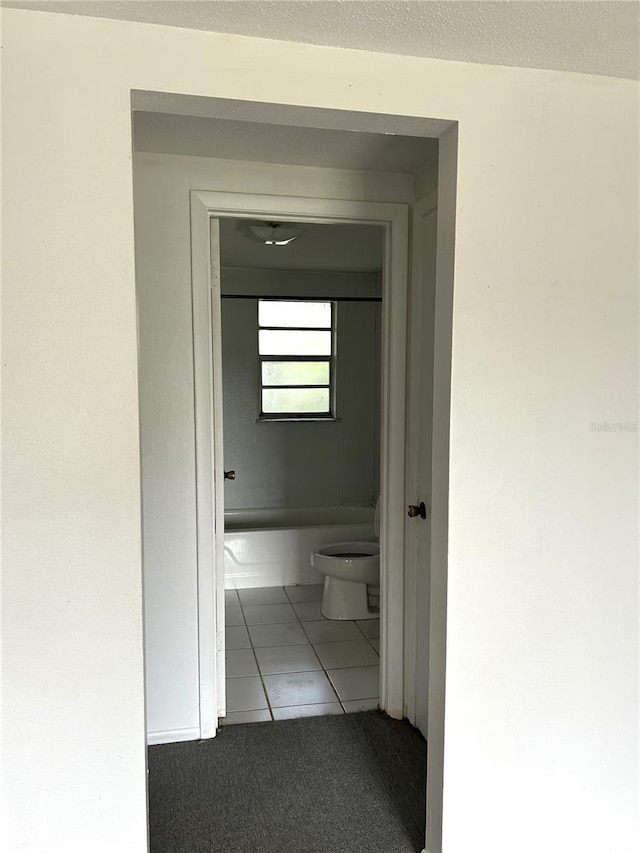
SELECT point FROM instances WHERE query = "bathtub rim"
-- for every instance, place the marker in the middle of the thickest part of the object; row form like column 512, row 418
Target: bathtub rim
column 360, row 517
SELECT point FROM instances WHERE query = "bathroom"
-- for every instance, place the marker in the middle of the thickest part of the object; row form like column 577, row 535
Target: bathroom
column 302, row 464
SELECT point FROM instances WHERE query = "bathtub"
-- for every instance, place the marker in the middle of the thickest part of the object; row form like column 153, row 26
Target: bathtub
column 272, row 547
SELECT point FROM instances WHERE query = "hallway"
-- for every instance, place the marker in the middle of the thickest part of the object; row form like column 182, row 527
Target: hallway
column 353, row 783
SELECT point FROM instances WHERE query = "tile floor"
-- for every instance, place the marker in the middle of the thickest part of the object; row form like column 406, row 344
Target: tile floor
column 285, row 660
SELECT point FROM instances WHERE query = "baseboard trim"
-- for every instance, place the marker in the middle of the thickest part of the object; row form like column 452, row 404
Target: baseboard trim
column 172, row 736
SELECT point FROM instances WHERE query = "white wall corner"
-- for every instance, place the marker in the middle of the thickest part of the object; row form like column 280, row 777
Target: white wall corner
column 426, row 181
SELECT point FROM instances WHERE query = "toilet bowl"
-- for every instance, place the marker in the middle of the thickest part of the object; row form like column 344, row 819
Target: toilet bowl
column 351, row 577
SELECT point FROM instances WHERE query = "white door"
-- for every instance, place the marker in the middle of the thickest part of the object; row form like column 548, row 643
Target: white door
column 419, row 456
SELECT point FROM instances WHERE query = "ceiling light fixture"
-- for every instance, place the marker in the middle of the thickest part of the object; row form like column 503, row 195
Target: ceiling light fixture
column 273, row 233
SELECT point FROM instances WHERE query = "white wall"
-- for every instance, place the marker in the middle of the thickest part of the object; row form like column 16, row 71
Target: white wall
column 163, row 276
column 541, row 717
column 426, row 181
column 285, row 464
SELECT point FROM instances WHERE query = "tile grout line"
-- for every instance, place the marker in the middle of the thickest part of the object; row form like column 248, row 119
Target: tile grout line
column 253, row 652
column 323, row 670
column 255, row 657
column 311, row 645
column 326, row 674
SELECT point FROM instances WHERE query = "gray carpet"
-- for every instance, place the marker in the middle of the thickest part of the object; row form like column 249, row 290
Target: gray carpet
column 339, row 784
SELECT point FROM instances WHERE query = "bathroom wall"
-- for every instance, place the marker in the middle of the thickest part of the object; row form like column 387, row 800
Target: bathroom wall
column 284, row 464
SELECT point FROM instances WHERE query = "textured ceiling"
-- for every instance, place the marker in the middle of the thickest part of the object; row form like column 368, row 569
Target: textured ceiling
column 587, row 36
column 268, row 143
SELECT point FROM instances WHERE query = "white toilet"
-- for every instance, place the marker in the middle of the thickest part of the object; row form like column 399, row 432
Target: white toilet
column 351, row 577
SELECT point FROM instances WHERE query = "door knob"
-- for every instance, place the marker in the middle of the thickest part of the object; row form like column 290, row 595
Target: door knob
column 229, row 475
column 415, row 511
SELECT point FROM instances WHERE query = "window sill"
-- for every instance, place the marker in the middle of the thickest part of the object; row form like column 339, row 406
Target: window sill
column 269, row 420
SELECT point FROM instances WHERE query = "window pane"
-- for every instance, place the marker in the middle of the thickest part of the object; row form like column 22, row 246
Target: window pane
column 295, row 372
column 295, row 314
column 290, row 342
column 295, row 400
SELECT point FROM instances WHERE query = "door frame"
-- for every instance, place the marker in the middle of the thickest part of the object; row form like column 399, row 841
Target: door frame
column 419, row 442
column 207, row 354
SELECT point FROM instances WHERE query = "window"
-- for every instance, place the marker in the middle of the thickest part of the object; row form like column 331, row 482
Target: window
column 296, row 353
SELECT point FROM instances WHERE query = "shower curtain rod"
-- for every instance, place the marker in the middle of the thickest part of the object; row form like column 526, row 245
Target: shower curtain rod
column 303, row 298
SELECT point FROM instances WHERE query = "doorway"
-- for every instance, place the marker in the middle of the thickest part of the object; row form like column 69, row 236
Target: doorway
column 207, row 208
column 301, row 333
column 163, row 254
